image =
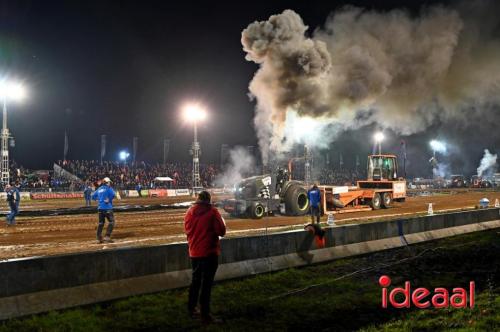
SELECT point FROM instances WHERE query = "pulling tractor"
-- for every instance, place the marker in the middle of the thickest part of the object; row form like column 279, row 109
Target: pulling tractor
column 257, row 196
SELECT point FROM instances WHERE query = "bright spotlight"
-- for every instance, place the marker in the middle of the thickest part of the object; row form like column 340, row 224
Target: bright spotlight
column 194, row 113
column 17, row 92
column 379, row 137
column 304, row 129
column 124, row 155
column 438, row 146
column 12, row 91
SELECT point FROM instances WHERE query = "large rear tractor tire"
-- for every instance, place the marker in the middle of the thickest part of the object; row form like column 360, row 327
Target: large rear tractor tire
column 296, row 201
column 386, row 200
column 256, row 210
column 376, row 201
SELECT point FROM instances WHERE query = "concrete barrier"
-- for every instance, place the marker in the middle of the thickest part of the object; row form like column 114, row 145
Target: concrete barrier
column 38, row 284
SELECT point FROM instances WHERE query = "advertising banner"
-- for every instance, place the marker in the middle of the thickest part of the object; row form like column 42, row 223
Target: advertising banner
column 182, row 192
column 158, row 193
column 56, row 195
column 131, row 193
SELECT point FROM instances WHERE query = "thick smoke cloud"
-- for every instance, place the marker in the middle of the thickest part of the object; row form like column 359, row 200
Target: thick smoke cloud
column 241, row 164
column 400, row 72
column 488, row 164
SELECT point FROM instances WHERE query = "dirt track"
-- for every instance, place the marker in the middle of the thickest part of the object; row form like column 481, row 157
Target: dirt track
column 75, row 203
column 37, row 236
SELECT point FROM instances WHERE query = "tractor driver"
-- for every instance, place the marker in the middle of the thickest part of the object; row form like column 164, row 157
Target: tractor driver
column 281, row 178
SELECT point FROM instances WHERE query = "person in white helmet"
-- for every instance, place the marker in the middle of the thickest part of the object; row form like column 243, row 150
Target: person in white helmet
column 105, row 195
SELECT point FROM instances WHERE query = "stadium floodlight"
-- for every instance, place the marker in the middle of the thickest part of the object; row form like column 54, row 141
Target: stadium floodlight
column 12, row 91
column 194, row 113
column 124, row 155
column 437, row 146
column 379, row 137
column 9, row 91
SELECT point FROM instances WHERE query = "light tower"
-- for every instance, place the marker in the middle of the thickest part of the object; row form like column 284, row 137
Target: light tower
column 194, row 113
column 436, row 146
column 307, row 165
column 8, row 91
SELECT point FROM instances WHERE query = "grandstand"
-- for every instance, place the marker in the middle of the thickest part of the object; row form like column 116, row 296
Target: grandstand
column 124, row 176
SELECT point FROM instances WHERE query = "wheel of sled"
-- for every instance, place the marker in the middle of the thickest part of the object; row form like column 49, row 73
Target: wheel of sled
column 376, row 201
column 386, row 200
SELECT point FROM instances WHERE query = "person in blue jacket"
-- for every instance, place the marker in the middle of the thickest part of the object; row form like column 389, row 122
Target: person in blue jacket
column 105, row 195
column 314, row 196
column 13, row 198
column 139, row 188
column 87, row 194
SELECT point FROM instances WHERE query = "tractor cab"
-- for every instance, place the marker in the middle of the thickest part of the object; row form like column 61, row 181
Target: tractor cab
column 382, row 168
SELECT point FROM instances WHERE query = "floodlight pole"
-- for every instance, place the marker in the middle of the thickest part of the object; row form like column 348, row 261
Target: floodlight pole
column 196, row 158
column 307, row 167
column 5, row 146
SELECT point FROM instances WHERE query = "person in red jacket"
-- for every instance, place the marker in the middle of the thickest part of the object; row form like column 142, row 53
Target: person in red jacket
column 203, row 225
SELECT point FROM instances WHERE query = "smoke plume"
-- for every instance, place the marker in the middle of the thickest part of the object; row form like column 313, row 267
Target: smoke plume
column 401, row 72
column 241, row 164
column 488, row 164
column 442, row 170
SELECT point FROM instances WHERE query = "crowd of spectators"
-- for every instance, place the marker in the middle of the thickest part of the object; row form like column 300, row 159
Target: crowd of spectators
column 28, row 179
column 129, row 175
column 328, row 175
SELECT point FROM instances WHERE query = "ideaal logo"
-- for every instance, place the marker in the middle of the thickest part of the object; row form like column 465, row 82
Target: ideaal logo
column 423, row 298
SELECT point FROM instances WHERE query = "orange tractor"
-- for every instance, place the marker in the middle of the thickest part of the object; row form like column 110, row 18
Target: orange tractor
column 380, row 189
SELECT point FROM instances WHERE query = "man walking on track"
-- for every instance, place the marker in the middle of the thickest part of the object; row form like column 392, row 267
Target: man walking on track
column 87, row 193
column 13, row 199
column 105, row 195
column 203, row 225
column 314, row 196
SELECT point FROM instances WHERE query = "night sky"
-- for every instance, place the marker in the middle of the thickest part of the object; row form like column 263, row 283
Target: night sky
column 125, row 68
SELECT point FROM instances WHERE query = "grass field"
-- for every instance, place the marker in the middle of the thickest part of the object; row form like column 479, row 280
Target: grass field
column 337, row 296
